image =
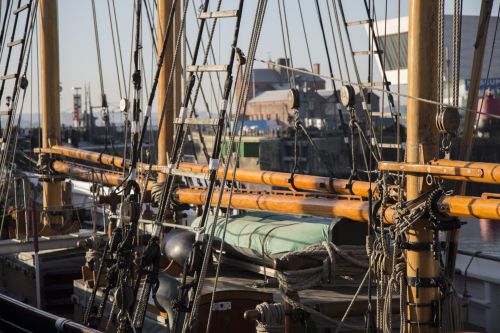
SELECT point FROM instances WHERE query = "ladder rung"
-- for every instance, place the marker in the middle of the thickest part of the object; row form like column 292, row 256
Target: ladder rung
column 8, row 77
column 219, row 14
column 15, row 42
column 6, row 112
column 190, row 174
column 197, row 121
column 20, row 9
column 391, row 145
column 207, row 68
column 359, row 22
column 356, row 53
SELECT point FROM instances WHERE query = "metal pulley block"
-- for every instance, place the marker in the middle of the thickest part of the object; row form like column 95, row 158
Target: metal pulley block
column 293, row 99
column 124, row 105
column 23, row 82
column 448, row 121
column 240, row 57
column 347, row 96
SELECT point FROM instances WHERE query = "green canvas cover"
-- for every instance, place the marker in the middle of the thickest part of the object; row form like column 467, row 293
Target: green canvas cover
column 265, row 236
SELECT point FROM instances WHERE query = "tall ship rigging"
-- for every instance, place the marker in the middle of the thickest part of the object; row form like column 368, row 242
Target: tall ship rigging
column 239, row 194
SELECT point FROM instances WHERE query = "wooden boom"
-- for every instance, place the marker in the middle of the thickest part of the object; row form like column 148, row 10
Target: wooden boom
column 286, row 202
column 478, row 172
column 271, row 178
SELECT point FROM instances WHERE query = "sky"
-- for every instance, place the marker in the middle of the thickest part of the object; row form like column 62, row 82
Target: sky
column 78, row 56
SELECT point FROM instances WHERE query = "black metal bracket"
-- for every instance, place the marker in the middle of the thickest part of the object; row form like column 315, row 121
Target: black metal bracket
column 421, row 282
column 435, row 313
column 421, row 247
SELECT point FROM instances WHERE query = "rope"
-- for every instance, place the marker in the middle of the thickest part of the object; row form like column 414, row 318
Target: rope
column 271, row 317
column 452, row 312
column 291, row 77
column 382, row 90
column 296, row 280
column 260, row 12
column 114, row 49
column 98, row 48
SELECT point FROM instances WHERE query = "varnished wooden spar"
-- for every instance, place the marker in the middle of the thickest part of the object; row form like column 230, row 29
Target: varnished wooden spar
column 282, row 179
column 286, row 202
column 447, row 169
column 353, row 209
column 95, row 176
column 271, row 178
column 478, row 172
column 90, row 156
column 49, row 81
column 422, row 145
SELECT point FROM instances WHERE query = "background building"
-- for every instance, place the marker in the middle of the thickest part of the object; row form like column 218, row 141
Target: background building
column 388, row 34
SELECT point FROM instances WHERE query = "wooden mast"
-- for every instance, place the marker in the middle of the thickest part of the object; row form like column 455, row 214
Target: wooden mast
column 422, row 146
column 51, row 122
column 166, row 138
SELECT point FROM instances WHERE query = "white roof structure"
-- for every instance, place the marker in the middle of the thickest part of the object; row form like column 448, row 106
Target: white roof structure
column 469, row 31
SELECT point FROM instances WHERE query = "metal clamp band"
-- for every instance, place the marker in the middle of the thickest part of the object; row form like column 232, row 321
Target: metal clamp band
column 422, row 282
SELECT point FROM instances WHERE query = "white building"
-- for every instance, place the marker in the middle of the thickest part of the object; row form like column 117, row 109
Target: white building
column 469, row 31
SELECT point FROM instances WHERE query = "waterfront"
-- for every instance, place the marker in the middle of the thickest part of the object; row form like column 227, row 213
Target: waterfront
column 481, row 235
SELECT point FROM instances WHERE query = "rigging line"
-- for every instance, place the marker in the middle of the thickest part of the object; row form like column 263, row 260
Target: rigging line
column 285, row 16
column 211, row 51
column 291, row 81
column 358, row 78
column 131, row 50
column 205, row 56
column 205, row 245
column 203, row 96
column 307, row 45
column 243, row 98
column 457, row 31
column 98, row 48
column 227, row 214
column 24, row 57
column 200, row 134
column 330, row 67
column 155, row 82
column 165, row 195
column 120, row 53
column 383, row 69
column 9, row 53
column 114, row 50
column 330, row 20
column 151, row 26
column 104, row 102
column 339, row 33
column 5, row 24
column 145, row 81
column 377, row 46
column 288, row 52
column 213, row 59
column 490, row 61
column 398, row 118
column 423, row 100
column 136, row 78
column 24, row 53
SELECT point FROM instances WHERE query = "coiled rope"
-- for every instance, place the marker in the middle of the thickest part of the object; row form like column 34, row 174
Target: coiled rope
column 271, row 317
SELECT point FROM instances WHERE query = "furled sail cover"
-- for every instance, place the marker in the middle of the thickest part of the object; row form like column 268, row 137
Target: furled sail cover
column 261, row 236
